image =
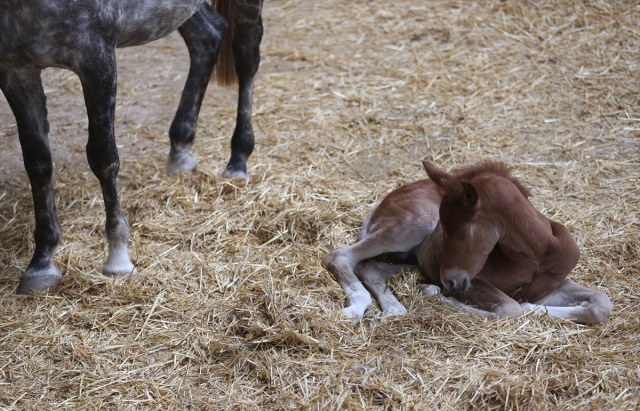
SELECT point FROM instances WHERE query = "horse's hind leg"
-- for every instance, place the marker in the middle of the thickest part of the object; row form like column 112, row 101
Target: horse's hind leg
column 247, row 36
column 24, row 93
column 202, row 34
column 97, row 72
column 574, row 302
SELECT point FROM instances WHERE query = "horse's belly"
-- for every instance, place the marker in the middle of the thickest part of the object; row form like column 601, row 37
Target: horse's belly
column 57, row 33
column 142, row 21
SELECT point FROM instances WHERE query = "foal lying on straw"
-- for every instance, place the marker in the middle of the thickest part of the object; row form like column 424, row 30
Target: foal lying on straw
column 475, row 233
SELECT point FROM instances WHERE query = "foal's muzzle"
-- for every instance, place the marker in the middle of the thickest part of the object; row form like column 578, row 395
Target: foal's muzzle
column 456, row 280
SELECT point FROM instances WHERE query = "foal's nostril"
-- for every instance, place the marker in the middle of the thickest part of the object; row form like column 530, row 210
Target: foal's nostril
column 465, row 284
column 450, row 284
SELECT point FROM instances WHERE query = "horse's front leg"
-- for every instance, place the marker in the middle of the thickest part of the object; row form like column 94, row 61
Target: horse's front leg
column 485, row 300
column 23, row 90
column 246, row 51
column 97, row 74
column 202, row 34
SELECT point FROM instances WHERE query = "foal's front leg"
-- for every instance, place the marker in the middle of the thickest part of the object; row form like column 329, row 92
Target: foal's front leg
column 23, row 90
column 485, row 300
column 574, row 302
column 98, row 76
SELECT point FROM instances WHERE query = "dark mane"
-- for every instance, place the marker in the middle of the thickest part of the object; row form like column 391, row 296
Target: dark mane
column 489, row 166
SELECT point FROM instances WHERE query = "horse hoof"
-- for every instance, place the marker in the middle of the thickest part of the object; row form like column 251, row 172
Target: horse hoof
column 236, row 174
column 179, row 161
column 132, row 276
column 124, row 277
column 42, row 281
column 122, row 274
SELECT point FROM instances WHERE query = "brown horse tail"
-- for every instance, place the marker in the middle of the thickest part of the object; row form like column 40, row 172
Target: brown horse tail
column 225, row 70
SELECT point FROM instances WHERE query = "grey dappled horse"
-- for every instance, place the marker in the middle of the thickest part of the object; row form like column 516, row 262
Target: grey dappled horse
column 82, row 36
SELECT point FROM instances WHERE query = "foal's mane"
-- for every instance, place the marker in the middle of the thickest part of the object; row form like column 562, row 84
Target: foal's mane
column 489, row 166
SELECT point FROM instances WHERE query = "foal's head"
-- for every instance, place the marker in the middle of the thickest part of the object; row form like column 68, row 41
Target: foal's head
column 468, row 225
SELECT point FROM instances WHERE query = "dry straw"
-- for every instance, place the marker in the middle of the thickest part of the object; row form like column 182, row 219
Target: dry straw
column 233, row 310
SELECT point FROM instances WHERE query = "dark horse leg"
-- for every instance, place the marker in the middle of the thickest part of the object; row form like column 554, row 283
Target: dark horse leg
column 97, row 72
column 23, row 90
column 247, row 35
column 202, row 34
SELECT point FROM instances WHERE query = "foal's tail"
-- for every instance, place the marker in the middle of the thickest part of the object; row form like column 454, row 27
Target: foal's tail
column 226, row 67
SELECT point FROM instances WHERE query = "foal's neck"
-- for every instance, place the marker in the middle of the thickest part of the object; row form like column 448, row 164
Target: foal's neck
column 522, row 229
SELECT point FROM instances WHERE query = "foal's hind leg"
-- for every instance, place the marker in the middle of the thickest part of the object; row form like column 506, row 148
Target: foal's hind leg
column 202, row 34
column 342, row 263
column 24, row 93
column 574, row 302
column 97, row 72
column 246, row 51
column 375, row 275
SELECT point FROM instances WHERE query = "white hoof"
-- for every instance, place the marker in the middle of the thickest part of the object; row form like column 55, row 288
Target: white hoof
column 119, row 265
column 429, row 289
column 394, row 310
column 353, row 313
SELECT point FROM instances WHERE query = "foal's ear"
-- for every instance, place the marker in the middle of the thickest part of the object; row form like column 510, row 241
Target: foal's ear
column 469, row 195
column 438, row 176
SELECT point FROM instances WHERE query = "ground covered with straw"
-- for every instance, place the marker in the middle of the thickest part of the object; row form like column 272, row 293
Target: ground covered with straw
column 233, row 310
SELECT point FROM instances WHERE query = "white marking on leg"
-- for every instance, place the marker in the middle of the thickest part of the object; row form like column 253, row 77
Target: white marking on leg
column 579, row 313
column 359, row 300
column 534, row 309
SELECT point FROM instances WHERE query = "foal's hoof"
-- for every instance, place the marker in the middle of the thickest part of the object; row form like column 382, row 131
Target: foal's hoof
column 41, row 281
column 353, row 314
column 429, row 289
column 394, row 310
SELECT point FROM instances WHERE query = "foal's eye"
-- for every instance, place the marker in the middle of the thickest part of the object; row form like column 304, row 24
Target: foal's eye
column 464, row 236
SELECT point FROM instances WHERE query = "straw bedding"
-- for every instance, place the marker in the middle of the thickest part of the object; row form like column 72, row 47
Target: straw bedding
column 234, row 311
